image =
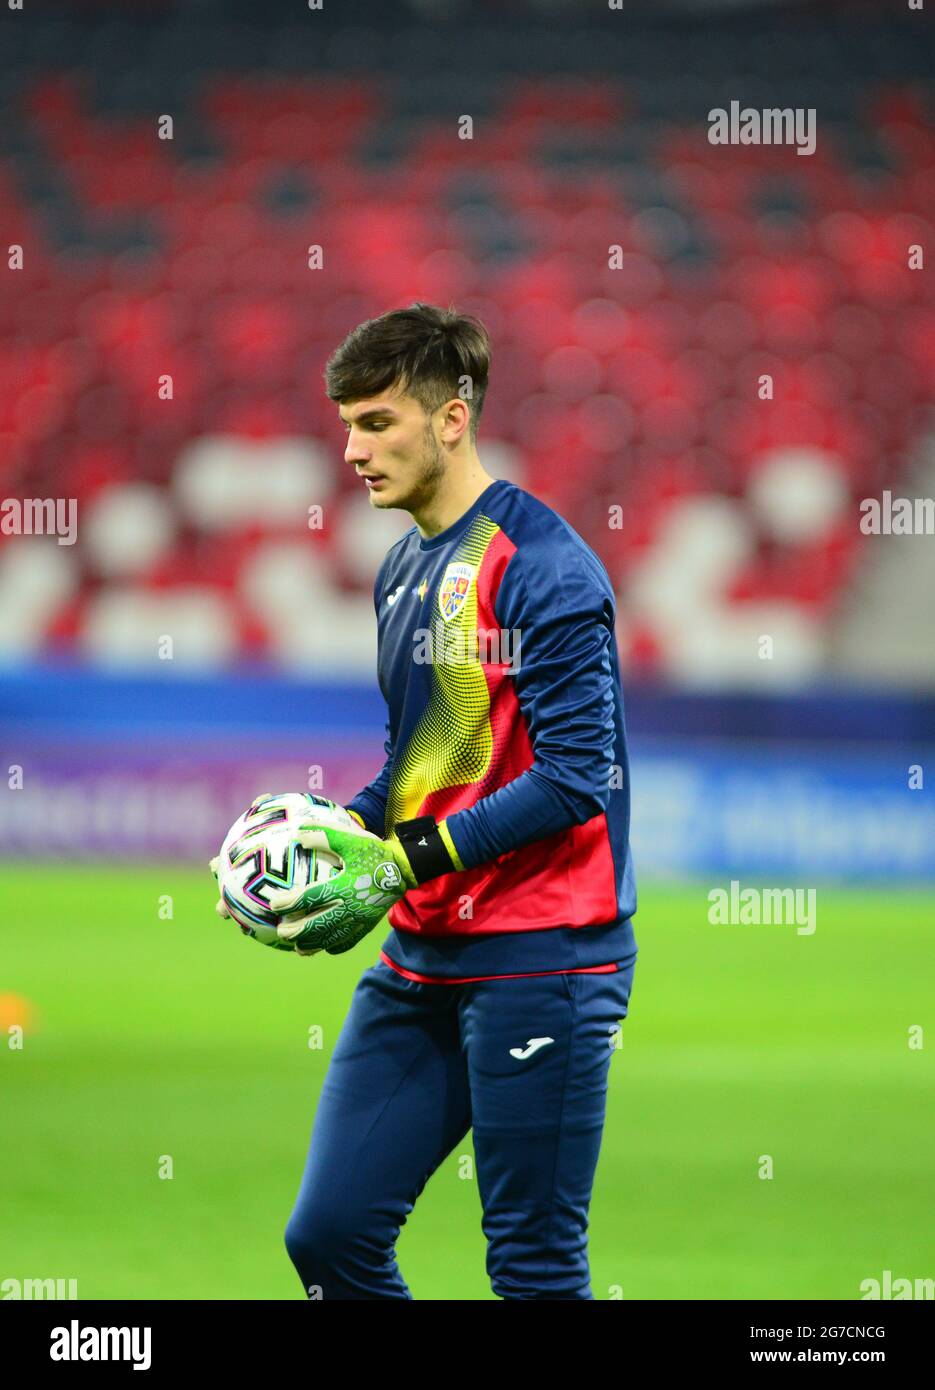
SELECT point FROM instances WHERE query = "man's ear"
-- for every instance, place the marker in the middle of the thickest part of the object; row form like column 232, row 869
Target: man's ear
column 457, row 419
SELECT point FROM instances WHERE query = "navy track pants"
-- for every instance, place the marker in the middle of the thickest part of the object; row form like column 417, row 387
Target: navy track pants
column 524, row 1063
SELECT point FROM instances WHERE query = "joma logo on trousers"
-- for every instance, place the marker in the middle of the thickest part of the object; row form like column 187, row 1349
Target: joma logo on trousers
column 532, row 1046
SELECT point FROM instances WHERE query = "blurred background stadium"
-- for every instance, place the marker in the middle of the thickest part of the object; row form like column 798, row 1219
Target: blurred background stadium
column 205, row 638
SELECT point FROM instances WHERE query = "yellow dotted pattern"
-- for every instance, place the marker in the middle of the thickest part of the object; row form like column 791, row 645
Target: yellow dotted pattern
column 452, row 744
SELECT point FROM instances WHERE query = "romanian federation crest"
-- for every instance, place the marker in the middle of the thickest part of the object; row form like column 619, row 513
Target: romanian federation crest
column 453, row 590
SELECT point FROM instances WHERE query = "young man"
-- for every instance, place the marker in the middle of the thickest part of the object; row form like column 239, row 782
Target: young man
column 504, row 804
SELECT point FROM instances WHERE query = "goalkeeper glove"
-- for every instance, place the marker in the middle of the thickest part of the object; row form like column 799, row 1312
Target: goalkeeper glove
column 339, row 912
column 222, row 909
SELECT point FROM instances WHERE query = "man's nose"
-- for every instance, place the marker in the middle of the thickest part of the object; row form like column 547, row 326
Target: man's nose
column 355, row 451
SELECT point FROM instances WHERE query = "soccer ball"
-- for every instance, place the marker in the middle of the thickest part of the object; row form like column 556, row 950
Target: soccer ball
column 261, row 855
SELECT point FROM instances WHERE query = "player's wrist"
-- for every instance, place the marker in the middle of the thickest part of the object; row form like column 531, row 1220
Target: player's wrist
column 427, row 847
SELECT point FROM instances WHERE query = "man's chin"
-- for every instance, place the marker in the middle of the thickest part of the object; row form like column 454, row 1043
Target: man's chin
column 382, row 498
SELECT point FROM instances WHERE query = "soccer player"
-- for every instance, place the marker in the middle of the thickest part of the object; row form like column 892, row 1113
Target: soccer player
column 503, row 816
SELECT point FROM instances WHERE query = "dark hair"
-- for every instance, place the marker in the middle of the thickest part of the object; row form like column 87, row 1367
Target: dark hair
column 423, row 349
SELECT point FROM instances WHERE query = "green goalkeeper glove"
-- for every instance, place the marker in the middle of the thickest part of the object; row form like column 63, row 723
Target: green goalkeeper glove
column 335, row 914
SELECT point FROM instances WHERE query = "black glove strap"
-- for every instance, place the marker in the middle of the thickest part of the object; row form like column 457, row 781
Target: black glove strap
column 425, row 849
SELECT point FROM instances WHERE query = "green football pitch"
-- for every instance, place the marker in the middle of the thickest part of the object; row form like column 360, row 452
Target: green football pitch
column 770, row 1118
